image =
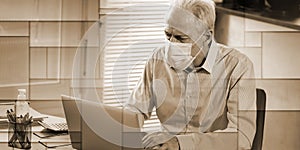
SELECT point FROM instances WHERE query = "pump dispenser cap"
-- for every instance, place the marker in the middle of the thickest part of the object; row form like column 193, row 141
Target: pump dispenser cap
column 22, row 90
column 21, row 94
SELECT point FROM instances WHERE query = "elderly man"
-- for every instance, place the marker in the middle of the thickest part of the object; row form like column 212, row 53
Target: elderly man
column 203, row 92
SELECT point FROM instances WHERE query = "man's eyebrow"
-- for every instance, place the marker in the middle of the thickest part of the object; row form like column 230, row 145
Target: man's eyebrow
column 167, row 33
column 176, row 34
column 179, row 34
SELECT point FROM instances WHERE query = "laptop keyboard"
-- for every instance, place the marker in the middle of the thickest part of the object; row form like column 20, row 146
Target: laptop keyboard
column 55, row 126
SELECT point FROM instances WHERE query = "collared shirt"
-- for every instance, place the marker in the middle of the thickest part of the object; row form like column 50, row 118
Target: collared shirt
column 200, row 104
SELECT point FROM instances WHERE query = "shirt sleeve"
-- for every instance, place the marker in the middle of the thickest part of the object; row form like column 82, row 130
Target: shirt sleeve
column 141, row 99
column 241, row 115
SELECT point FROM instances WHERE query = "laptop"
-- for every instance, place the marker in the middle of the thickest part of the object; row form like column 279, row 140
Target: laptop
column 96, row 126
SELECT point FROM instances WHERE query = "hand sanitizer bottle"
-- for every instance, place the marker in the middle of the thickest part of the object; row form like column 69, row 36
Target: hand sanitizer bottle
column 22, row 106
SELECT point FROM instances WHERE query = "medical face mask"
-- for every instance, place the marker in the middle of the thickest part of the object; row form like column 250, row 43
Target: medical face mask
column 178, row 55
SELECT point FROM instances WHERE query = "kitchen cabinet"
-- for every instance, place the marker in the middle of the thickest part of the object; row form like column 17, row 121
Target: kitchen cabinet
column 279, row 45
column 49, row 10
column 38, row 41
column 274, row 51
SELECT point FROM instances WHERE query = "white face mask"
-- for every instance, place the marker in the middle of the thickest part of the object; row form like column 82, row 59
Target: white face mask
column 178, row 55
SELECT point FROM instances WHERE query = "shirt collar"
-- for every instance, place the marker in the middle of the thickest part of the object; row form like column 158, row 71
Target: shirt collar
column 211, row 57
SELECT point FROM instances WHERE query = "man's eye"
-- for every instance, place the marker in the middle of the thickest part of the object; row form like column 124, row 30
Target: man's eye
column 178, row 37
column 168, row 34
column 181, row 38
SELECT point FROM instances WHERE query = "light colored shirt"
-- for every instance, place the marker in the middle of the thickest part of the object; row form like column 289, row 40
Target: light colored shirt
column 209, row 107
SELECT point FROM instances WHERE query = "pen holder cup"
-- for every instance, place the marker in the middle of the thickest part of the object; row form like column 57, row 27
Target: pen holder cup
column 19, row 135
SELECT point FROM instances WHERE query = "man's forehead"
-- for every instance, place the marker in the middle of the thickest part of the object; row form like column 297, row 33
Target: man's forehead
column 185, row 22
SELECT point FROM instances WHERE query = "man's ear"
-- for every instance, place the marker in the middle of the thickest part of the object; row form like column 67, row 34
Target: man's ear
column 211, row 32
column 208, row 35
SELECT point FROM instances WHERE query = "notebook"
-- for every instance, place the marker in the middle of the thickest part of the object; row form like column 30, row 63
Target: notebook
column 96, row 126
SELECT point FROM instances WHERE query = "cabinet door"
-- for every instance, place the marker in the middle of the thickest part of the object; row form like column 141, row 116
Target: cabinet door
column 14, row 65
column 281, row 55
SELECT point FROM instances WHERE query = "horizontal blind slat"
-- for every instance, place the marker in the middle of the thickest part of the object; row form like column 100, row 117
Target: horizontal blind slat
column 133, row 29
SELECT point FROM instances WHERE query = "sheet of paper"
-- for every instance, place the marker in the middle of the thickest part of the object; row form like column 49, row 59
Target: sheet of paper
column 56, row 141
column 37, row 116
column 4, row 107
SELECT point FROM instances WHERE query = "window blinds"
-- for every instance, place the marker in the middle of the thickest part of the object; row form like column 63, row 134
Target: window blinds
column 132, row 30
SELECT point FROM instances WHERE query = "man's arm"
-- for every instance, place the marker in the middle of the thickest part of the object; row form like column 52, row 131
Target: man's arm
column 141, row 99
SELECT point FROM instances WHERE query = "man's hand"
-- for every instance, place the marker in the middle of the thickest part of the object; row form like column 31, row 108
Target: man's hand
column 170, row 145
column 160, row 141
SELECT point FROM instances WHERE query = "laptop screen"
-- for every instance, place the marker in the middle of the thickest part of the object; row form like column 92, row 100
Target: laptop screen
column 94, row 125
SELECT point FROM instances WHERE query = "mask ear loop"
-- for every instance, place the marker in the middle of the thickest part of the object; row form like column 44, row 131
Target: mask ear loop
column 201, row 48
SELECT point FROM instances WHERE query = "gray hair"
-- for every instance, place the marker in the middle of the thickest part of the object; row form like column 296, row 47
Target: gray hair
column 203, row 9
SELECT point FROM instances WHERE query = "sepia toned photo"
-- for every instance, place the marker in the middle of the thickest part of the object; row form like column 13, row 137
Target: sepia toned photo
column 149, row 74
